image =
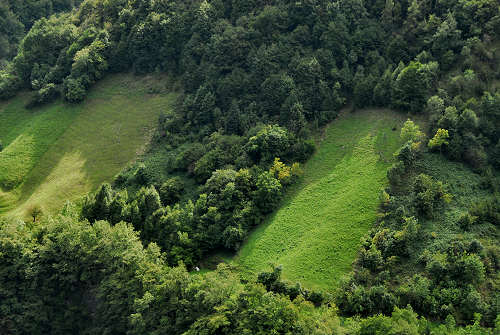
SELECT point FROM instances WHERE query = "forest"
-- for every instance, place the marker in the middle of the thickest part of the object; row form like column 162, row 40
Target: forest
column 257, row 83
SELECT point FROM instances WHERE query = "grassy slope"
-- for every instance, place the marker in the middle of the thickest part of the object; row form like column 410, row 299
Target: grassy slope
column 316, row 233
column 62, row 151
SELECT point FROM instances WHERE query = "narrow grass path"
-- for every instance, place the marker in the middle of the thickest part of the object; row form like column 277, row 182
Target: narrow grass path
column 62, row 151
column 316, row 233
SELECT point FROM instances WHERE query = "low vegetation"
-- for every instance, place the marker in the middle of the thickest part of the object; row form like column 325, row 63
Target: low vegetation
column 316, row 233
column 60, row 152
column 435, row 245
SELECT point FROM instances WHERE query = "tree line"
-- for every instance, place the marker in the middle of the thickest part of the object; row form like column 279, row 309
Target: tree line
column 65, row 276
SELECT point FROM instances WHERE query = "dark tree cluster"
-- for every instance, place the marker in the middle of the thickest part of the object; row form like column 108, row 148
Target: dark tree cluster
column 69, row 277
column 18, row 16
column 231, row 203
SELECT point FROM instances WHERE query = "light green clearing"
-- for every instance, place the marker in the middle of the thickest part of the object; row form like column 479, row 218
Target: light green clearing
column 316, row 233
column 62, row 151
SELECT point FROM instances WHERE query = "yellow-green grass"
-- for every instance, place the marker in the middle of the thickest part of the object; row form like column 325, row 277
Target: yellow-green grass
column 316, row 233
column 62, row 151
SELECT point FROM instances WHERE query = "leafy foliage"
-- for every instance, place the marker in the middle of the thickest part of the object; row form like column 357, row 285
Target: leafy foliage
column 257, row 77
column 444, row 273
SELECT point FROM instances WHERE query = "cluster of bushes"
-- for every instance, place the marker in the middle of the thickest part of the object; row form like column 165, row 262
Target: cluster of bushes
column 448, row 274
column 486, row 211
column 196, row 157
column 470, row 126
column 273, row 283
column 64, row 276
column 404, row 87
column 231, row 203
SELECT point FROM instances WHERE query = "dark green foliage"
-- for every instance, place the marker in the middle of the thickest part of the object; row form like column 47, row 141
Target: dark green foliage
column 486, row 211
column 231, row 203
column 268, row 143
column 293, row 118
column 68, row 276
column 411, row 86
column 18, row 16
column 171, row 191
column 466, row 221
column 268, row 193
column 272, row 282
column 65, row 276
column 396, row 173
column 408, row 155
column 46, row 94
column 364, row 86
column 9, row 85
column 11, row 31
column 429, row 195
column 141, row 177
column 35, row 57
column 470, row 124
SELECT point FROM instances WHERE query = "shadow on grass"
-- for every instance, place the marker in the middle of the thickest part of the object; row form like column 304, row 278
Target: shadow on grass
column 103, row 134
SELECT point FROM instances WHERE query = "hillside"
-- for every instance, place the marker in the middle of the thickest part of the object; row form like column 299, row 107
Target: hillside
column 61, row 151
column 316, row 233
column 177, row 133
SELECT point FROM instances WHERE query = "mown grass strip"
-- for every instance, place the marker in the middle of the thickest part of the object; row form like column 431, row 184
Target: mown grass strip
column 315, row 235
column 63, row 151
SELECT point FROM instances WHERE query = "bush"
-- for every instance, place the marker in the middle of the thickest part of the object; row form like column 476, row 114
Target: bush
column 466, row 221
column 9, row 85
column 74, row 90
column 141, row 176
column 268, row 193
column 487, row 211
column 395, row 173
column 429, row 194
column 44, row 95
column 171, row 191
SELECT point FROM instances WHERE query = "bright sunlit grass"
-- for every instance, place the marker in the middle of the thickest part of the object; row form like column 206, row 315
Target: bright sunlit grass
column 316, row 233
column 63, row 151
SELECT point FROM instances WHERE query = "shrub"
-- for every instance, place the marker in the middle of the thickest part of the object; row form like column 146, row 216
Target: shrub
column 429, row 194
column 466, row 221
column 44, row 95
column 171, row 191
column 141, row 176
column 487, row 210
column 9, row 85
column 35, row 212
column 268, row 193
column 74, row 90
column 395, row 173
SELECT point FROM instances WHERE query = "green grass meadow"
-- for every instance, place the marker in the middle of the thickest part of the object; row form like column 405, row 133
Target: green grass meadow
column 62, row 151
column 316, row 233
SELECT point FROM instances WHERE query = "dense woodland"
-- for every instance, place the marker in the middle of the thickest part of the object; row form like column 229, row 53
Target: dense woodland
column 17, row 17
column 257, row 80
